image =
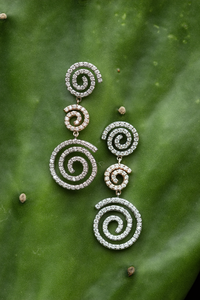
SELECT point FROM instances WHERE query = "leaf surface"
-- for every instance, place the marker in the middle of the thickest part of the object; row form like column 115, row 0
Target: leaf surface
column 148, row 55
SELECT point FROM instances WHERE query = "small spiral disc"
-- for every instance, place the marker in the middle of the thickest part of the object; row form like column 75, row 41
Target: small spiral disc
column 77, row 111
column 110, row 176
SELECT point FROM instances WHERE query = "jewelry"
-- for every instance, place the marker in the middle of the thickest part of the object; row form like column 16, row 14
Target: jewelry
column 115, row 134
column 84, row 71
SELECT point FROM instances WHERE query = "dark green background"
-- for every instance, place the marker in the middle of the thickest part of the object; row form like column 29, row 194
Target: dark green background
column 47, row 246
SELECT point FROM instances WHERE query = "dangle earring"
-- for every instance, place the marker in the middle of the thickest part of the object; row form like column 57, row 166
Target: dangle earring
column 78, row 71
column 116, row 133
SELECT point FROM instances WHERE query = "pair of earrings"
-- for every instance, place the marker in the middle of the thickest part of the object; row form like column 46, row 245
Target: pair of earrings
column 115, row 133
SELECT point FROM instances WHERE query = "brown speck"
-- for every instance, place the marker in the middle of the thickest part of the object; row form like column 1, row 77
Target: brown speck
column 122, row 110
column 3, row 16
column 131, row 271
column 22, row 198
column 118, row 70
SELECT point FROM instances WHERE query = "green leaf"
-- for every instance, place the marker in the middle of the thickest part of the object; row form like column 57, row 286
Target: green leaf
column 148, row 55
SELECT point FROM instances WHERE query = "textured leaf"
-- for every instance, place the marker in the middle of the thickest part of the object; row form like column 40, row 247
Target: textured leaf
column 48, row 250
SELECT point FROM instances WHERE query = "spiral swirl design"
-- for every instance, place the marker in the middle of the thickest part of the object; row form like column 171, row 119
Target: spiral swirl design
column 110, row 176
column 115, row 132
column 83, row 70
column 112, row 205
column 79, row 179
column 76, row 111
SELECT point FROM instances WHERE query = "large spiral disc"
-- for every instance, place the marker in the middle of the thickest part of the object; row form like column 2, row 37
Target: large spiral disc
column 101, row 228
column 72, row 154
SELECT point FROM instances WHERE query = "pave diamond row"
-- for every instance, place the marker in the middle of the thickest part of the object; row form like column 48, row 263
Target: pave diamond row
column 113, row 207
column 115, row 132
column 76, row 110
column 86, row 87
column 110, row 176
column 63, row 156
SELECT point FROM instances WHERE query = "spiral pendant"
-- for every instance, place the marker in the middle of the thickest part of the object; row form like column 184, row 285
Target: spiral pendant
column 70, row 150
column 110, row 176
column 80, row 113
column 116, row 133
column 131, row 230
column 82, row 71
